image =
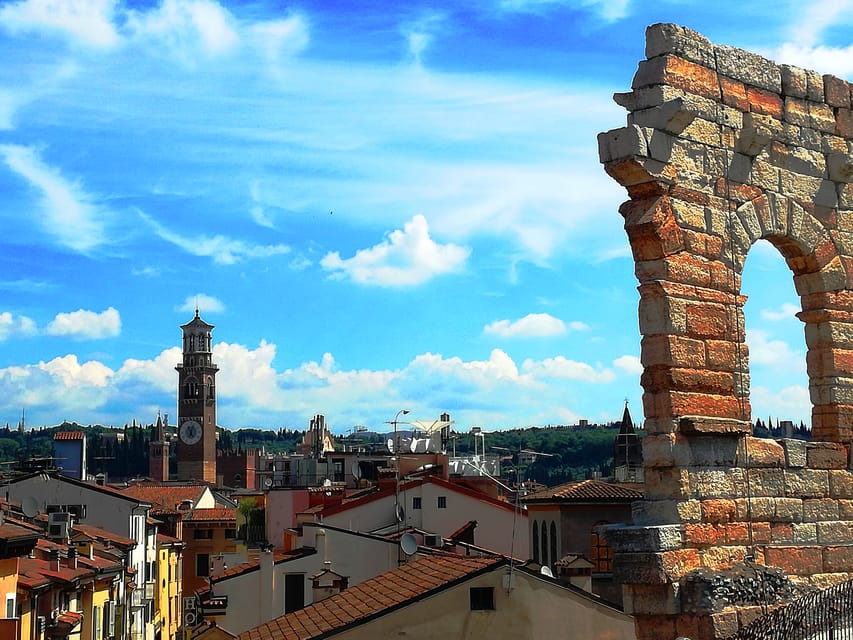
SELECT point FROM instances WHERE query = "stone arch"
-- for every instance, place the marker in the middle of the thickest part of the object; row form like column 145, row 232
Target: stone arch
column 722, row 149
column 708, row 177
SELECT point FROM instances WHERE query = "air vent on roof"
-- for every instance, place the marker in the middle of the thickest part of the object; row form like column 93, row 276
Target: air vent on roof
column 58, row 525
column 432, row 540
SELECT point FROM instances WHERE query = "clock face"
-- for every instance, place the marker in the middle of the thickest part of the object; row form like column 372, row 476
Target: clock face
column 190, row 432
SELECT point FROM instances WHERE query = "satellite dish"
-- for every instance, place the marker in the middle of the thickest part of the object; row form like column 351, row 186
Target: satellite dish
column 267, row 482
column 390, row 445
column 327, row 483
column 400, row 513
column 408, row 544
column 30, row 507
column 356, row 471
column 546, row 571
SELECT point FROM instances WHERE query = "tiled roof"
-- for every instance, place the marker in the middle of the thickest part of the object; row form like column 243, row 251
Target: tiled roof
column 587, row 491
column 254, row 563
column 166, row 497
column 69, row 435
column 102, row 535
column 162, row 538
column 217, row 513
column 372, row 598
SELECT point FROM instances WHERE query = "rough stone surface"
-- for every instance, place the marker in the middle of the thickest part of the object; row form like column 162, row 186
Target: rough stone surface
column 722, row 148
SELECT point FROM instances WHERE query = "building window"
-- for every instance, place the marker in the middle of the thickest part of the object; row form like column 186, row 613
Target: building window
column 535, row 539
column 202, row 534
column 416, row 502
column 10, row 605
column 202, row 565
column 482, row 598
column 602, row 554
column 545, row 544
column 442, row 502
column 230, row 534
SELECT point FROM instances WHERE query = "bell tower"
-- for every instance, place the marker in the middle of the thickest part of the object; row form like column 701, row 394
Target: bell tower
column 196, row 450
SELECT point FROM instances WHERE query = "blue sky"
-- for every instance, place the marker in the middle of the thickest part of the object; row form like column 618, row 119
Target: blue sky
column 379, row 205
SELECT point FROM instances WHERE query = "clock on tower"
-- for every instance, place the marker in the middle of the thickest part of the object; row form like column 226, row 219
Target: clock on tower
column 196, row 449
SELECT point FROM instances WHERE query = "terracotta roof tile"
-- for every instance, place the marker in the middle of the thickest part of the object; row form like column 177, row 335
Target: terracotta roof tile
column 166, row 497
column 217, row 513
column 253, row 564
column 587, row 491
column 372, row 597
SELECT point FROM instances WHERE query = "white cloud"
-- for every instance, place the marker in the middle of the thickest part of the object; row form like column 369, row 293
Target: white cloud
column 804, row 49
column 610, row 10
column 69, row 213
column 159, row 372
column 87, row 22
column 72, row 374
column 222, row 249
column 286, row 37
column 561, row 367
column 82, row 324
column 629, row 364
column 763, row 350
column 407, row 257
column 184, row 28
column 788, row 403
column 787, row 311
column 15, row 326
column 202, row 302
column 534, row 325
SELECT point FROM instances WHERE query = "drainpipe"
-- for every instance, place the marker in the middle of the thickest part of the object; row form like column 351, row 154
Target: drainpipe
column 267, row 583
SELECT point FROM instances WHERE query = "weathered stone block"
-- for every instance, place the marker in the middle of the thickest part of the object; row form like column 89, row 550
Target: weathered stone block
column 651, row 599
column 679, row 73
column 821, row 117
column 666, row 483
column 762, row 452
column 789, row 510
column 793, row 81
column 671, row 117
column 664, row 512
column 635, row 539
column 704, row 535
column 796, row 111
column 814, row 86
column 836, row 532
column 749, row 68
column 701, row 424
column 723, row 557
column 664, row 38
column 625, row 142
column 795, row 453
column 820, row 509
column 838, row 558
column 836, row 91
column 807, row 483
column 804, row 532
column 841, row 484
column 756, row 509
column 796, row 560
column 718, row 511
column 826, row 455
column 766, row 482
column 674, row 351
column 765, row 102
column 840, row 167
column 781, row 533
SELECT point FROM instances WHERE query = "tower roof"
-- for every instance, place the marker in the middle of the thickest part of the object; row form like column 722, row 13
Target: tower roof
column 197, row 323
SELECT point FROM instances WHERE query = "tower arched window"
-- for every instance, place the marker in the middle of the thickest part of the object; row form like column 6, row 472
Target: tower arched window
column 535, row 542
column 602, row 554
column 544, row 544
column 192, row 343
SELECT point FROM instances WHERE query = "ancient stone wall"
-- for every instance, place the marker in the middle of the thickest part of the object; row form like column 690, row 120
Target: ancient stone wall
column 722, row 148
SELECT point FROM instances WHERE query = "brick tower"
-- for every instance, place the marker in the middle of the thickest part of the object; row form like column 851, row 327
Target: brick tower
column 196, row 449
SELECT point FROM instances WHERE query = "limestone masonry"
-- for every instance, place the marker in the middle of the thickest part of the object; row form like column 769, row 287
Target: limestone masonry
column 722, row 148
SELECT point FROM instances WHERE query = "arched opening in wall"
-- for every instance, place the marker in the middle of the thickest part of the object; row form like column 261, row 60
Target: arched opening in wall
column 778, row 382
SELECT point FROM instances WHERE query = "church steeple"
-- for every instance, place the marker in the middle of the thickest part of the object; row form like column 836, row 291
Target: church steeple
column 627, row 451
